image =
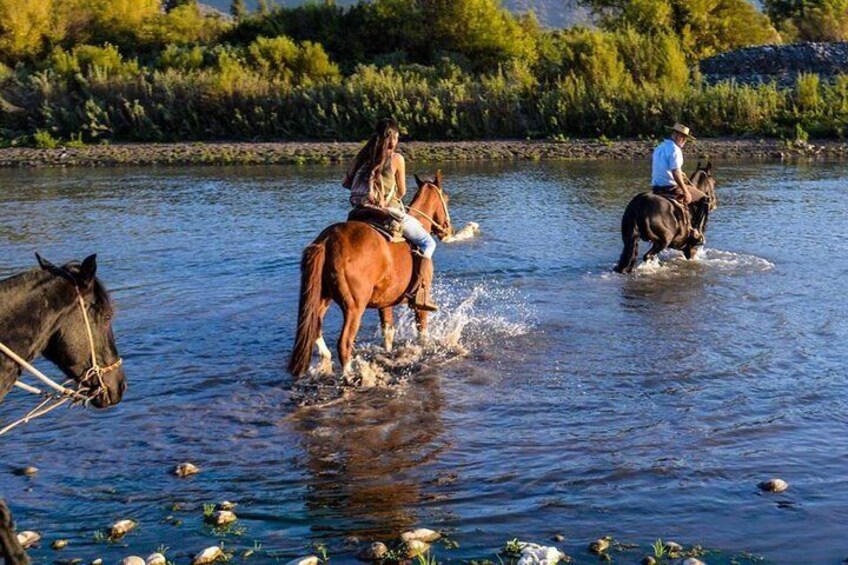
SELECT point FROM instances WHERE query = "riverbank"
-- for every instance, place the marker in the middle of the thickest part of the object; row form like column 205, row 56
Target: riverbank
column 245, row 153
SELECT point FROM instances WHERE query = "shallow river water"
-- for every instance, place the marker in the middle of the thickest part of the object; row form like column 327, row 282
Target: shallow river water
column 557, row 398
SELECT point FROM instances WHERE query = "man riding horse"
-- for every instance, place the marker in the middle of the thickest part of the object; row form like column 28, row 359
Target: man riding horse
column 669, row 180
column 377, row 182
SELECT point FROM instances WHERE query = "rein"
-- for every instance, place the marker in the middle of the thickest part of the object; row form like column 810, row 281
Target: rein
column 441, row 228
column 62, row 394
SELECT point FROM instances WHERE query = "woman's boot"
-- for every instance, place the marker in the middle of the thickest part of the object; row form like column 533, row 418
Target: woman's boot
column 420, row 289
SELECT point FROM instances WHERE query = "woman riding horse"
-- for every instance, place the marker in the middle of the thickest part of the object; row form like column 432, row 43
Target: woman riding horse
column 377, row 179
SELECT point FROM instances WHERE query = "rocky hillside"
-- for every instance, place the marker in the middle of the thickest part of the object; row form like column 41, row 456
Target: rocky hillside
column 780, row 63
column 551, row 13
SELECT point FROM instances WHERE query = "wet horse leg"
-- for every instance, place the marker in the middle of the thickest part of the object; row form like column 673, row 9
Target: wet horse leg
column 325, row 366
column 352, row 319
column 387, row 324
column 10, row 549
column 656, row 247
column 421, row 325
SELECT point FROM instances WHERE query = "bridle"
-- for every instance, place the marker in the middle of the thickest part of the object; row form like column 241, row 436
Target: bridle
column 440, row 229
column 84, row 392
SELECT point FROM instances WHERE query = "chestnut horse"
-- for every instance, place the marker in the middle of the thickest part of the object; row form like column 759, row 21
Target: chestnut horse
column 654, row 218
column 355, row 266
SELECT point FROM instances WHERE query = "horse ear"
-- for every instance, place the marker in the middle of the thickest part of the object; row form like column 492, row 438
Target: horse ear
column 44, row 263
column 709, row 167
column 698, row 166
column 438, row 181
column 419, row 181
column 87, row 271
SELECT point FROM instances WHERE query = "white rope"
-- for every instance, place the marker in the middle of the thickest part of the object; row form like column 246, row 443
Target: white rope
column 36, row 373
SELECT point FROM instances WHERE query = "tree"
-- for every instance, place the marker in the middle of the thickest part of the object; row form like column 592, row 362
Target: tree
column 810, row 20
column 706, row 27
column 25, row 28
column 174, row 4
column 238, row 10
column 263, row 7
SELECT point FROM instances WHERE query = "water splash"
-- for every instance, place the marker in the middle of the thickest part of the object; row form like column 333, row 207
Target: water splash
column 471, row 318
column 672, row 264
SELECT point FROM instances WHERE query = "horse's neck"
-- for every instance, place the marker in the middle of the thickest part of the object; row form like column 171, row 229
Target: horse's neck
column 424, row 205
column 31, row 311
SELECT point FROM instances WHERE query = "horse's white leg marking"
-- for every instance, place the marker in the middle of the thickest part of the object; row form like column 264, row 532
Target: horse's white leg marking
column 325, row 366
column 389, row 337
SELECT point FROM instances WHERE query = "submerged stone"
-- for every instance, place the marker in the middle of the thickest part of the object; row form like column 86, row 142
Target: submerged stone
column 186, row 469
column 121, row 528
column 374, row 552
column 420, row 534
column 208, row 555
column 773, row 485
column 59, row 544
column 133, row 560
column 156, row 559
column 221, row 518
column 415, row 547
column 308, row 560
column 28, row 538
column 599, row 546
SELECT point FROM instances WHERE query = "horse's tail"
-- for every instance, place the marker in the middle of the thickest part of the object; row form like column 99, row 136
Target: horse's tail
column 308, row 319
column 630, row 237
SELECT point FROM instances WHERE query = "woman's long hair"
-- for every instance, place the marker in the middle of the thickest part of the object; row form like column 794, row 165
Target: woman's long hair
column 374, row 154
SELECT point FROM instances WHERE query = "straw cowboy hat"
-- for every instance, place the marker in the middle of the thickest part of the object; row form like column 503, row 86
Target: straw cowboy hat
column 681, row 129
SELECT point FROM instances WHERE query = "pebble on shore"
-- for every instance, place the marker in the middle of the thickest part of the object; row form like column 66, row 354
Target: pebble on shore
column 773, row 485
column 121, row 528
column 28, row 538
column 420, row 534
column 208, row 555
column 156, row 559
column 221, row 518
column 186, row 469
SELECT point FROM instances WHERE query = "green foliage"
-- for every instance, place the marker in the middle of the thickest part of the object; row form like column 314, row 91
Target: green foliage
column 88, row 59
column 809, row 20
column 43, row 140
column 238, row 10
column 283, row 59
column 705, row 27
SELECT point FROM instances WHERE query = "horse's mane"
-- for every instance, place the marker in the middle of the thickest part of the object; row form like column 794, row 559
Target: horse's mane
column 102, row 299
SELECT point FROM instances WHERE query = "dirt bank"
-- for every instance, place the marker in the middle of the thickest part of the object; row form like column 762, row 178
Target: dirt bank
column 236, row 153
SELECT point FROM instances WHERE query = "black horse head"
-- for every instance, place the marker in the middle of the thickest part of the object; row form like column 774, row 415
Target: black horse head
column 703, row 179
column 90, row 359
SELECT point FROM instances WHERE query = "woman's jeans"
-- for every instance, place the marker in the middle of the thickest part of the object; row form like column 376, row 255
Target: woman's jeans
column 415, row 234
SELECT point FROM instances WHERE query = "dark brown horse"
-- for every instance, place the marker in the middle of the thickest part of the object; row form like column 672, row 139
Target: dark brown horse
column 357, row 268
column 657, row 219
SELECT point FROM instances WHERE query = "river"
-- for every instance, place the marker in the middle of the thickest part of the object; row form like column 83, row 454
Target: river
column 556, row 398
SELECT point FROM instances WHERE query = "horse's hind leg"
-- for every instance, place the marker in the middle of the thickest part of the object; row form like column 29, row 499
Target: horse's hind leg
column 387, row 324
column 325, row 365
column 655, row 250
column 350, row 327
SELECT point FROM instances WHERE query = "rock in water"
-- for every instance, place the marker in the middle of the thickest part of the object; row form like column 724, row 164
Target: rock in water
column 132, row 560
column 672, row 547
column 599, row 546
column 121, row 528
column 59, row 544
column 693, row 561
column 227, row 505
column 186, row 469
column 28, row 471
column 420, row 534
column 208, row 555
column 309, row 560
column 535, row 554
column 156, row 559
column 28, row 538
column 222, row 518
column 774, row 485
column 415, row 547
column 374, row 552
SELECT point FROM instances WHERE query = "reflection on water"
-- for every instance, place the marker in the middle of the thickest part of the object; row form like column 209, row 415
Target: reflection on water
column 557, row 397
